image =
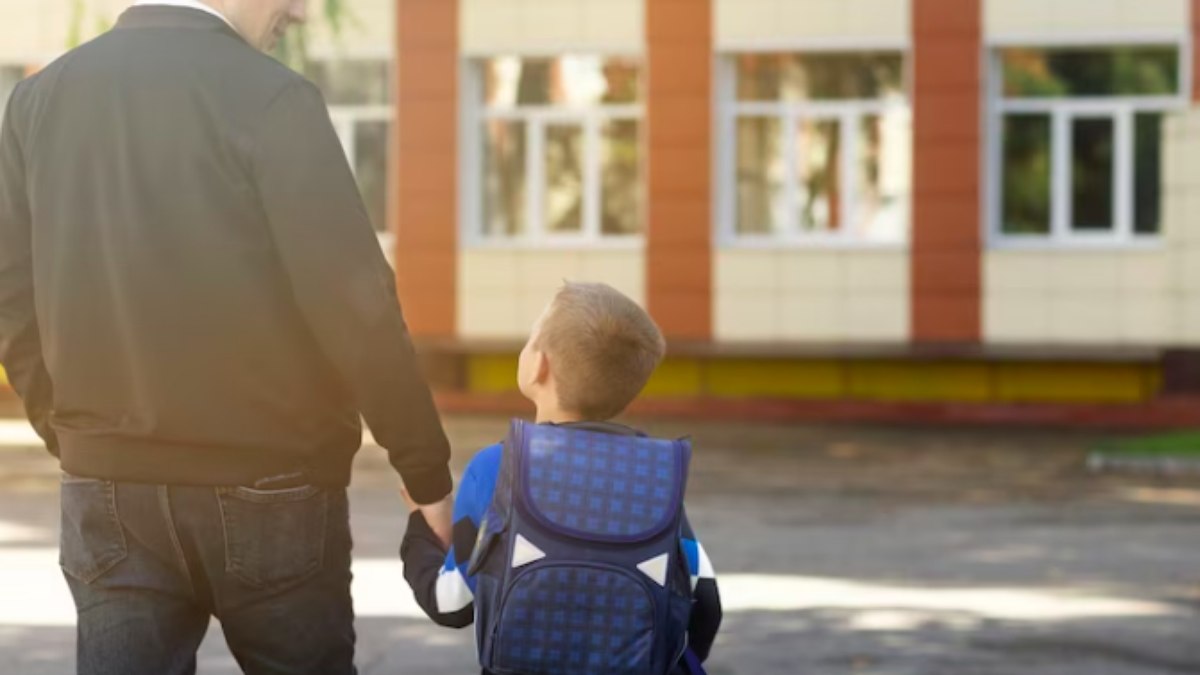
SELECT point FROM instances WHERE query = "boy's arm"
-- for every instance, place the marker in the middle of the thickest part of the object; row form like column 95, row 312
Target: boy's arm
column 438, row 577
column 706, row 597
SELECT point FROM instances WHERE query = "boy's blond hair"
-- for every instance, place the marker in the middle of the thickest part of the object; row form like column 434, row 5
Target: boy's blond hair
column 602, row 349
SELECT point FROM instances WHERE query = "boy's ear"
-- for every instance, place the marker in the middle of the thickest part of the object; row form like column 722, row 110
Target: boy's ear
column 541, row 374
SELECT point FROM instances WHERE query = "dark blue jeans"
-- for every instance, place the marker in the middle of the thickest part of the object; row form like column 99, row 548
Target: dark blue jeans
column 149, row 565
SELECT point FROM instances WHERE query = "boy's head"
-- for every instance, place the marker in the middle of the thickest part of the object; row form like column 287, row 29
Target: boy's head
column 590, row 354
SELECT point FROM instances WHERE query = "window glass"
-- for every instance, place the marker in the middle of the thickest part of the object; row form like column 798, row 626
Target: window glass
column 1116, row 71
column 1027, row 157
column 1148, row 173
column 564, row 178
column 761, row 174
column 621, row 189
column 504, row 177
column 570, row 81
column 820, row 175
column 823, row 76
column 1092, row 170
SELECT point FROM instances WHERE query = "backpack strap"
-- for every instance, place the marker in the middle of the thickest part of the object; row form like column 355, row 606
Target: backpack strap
column 692, row 664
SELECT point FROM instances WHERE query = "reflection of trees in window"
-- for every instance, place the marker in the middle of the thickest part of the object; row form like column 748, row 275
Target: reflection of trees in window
column 534, row 84
column 760, row 175
column 579, row 117
column 823, row 145
column 1026, row 174
column 1070, row 118
column 815, row 77
column 623, row 82
column 1122, row 71
column 1148, row 170
column 504, row 177
column 511, row 81
column 621, row 187
column 1092, row 174
column 820, row 171
column 564, row 178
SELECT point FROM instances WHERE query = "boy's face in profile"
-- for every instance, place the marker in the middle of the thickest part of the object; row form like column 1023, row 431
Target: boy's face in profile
column 532, row 362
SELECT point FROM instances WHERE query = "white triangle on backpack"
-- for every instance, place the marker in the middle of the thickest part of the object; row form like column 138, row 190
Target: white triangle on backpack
column 656, row 568
column 524, row 552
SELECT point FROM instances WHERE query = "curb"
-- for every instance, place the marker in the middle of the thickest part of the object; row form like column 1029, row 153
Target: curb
column 1163, row 466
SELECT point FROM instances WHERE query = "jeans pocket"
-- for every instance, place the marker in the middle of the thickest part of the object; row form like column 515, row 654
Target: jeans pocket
column 92, row 541
column 274, row 538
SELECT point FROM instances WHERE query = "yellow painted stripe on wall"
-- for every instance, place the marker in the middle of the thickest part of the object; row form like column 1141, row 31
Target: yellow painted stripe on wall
column 492, row 374
column 676, row 378
column 1074, row 383
column 894, row 381
column 776, row 379
column 915, row 381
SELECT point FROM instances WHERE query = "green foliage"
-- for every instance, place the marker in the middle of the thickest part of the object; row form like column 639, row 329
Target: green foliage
column 75, row 28
column 1174, row 444
column 292, row 50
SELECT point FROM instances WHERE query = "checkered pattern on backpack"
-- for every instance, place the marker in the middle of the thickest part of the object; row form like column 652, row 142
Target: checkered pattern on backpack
column 576, row 620
column 611, row 486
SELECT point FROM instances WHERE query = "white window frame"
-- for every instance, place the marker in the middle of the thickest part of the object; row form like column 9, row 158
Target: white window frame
column 591, row 119
column 345, row 119
column 345, row 122
column 849, row 114
column 1122, row 110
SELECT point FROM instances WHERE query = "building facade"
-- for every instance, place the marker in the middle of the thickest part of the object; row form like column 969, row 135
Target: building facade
column 843, row 204
column 889, row 209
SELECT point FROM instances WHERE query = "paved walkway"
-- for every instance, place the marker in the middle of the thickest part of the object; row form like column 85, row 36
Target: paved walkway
column 841, row 550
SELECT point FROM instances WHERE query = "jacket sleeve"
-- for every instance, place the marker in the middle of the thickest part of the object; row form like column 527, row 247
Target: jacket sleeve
column 706, row 597
column 438, row 578
column 20, row 337
column 343, row 285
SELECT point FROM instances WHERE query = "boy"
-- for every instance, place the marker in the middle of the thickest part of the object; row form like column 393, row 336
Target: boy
column 589, row 355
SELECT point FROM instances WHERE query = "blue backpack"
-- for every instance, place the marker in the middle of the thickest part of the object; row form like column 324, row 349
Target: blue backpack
column 578, row 565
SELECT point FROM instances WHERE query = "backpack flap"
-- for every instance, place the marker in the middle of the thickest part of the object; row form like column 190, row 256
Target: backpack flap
column 602, row 487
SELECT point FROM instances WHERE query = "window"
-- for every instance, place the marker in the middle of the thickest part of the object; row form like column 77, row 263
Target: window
column 359, row 95
column 1081, row 141
column 558, row 149
column 819, row 145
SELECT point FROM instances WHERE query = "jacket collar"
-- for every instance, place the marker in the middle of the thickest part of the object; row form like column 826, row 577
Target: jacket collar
column 171, row 16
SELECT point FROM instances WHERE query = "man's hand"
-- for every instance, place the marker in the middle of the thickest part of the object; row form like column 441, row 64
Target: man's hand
column 440, row 516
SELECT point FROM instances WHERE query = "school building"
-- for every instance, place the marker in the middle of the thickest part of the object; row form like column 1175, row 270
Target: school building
column 897, row 210
column 838, row 209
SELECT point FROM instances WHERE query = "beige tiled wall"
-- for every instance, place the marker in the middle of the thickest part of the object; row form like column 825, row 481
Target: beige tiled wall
column 811, row 295
column 37, row 31
column 743, row 23
column 1078, row 297
column 1130, row 296
column 502, row 291
column 1026, row 18
column 525, row 26
column 1182, row 209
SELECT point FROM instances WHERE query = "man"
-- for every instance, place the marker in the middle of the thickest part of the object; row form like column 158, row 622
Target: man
column 195, row 311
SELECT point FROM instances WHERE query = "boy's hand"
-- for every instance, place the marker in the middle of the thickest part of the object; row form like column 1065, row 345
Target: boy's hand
column 439, row 516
